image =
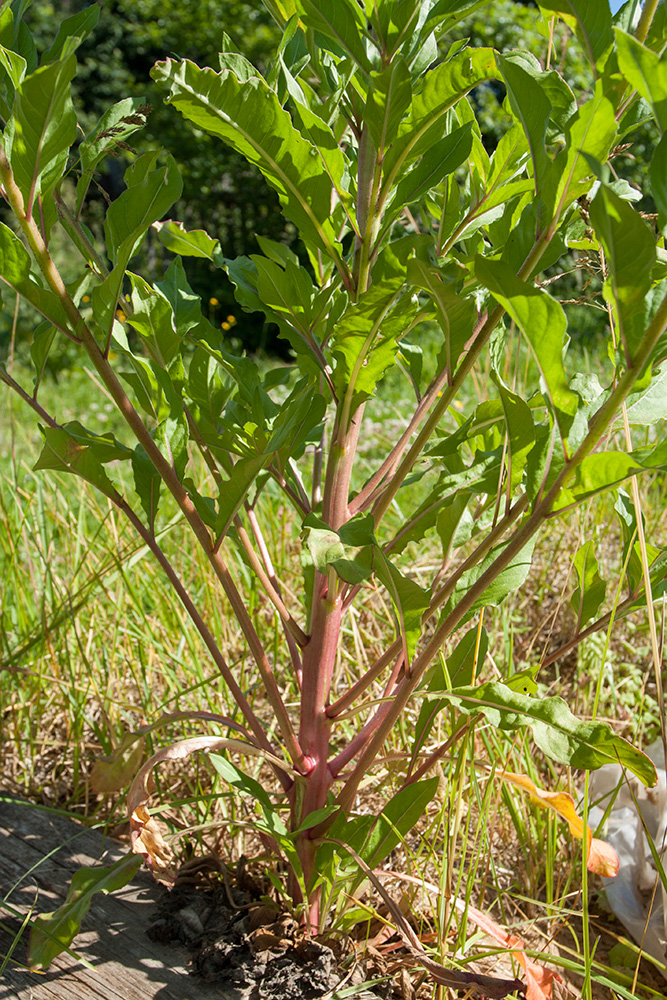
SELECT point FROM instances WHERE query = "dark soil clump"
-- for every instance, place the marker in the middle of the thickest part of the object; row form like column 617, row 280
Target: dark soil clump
column 240, row 940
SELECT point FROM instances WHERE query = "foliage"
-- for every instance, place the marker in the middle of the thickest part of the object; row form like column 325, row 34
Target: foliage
column 361, row 131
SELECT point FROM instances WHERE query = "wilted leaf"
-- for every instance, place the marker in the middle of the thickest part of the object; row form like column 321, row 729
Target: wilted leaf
column 109, row 774
column 602, row 859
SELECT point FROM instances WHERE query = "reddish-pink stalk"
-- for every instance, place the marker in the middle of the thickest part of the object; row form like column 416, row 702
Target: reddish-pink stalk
column 598, row 426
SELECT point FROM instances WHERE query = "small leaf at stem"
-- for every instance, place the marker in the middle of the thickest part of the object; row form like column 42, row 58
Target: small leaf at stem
column 54, row 932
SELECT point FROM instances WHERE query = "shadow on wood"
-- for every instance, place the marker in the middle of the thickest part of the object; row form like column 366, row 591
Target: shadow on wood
column 112, row 958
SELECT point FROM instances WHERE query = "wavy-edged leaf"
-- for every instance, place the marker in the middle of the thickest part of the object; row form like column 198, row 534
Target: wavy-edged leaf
column 54, row 932
column 555, row 729
column 441, row 89
column 153, row 318
column 646, row 72
column 630, row 251
column 188, row 243
column 542, row 321
column 592, row 22
column 41, row 130
column 365, row 340
column 250, row 119
column 64, row 453
column 71, row 32
column 341, row 21
column 15, row 272
column 456, row 315
column 410, row 601
column 590, row 594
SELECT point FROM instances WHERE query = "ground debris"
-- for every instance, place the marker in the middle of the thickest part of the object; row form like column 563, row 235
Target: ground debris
column 239, row 939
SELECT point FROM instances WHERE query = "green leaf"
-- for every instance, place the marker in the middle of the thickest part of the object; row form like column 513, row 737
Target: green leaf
column 556, row 731
column 650, row 405
column 342, row 21
column 399, row 816
column 602, row 470
column 532, row 108
column 40, row 348
column 116, row 125
column 234, row 490
column 250, row 119
column 520, row 432
column 646, row 71
column 147, row 483
column 389, row 98
column 458, row 670
column 193, row 243
column 374, row 838
column 542, row 321
column 410, row 601
column 629, row 248
column 441, row 88
column 590, row 594
column 149, row 194
column 365, row 340
column 443, row 158
column 15, row 272
column 153, row 318
column 53, row 933
column 590, row 134
column 64, row 453
column 12, row 71
column 658, row 176
column 593, row 24
column 172, row 437
column 292, row 298
column 40, row 132
column 456, row 315
column 71, row 32
column 185, row 304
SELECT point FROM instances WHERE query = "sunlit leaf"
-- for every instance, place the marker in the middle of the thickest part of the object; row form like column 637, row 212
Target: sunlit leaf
column 250, row 119
column 555, row 729
column 54, row 932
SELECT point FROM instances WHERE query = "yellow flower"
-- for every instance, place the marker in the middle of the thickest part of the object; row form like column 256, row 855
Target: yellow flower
column 120, row 315
column 86, row 298
column 231, row 320
column 225, row 326
column 213, row 301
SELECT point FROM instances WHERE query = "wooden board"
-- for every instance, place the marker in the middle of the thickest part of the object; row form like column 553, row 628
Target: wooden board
column 113, row 958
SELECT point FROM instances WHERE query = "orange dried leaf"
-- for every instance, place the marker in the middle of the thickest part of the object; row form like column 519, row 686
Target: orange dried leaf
column 602, row 858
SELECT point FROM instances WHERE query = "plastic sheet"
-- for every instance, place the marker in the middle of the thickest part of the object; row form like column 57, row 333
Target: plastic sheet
column 637, row 890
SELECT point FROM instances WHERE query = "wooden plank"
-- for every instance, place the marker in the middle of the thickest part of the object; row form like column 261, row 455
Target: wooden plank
column 39, row 853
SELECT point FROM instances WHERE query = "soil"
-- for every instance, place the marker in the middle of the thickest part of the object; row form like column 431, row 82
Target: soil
column 239, row 938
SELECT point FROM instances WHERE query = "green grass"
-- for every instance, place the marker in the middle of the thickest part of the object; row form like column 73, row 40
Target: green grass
column 94, row 644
